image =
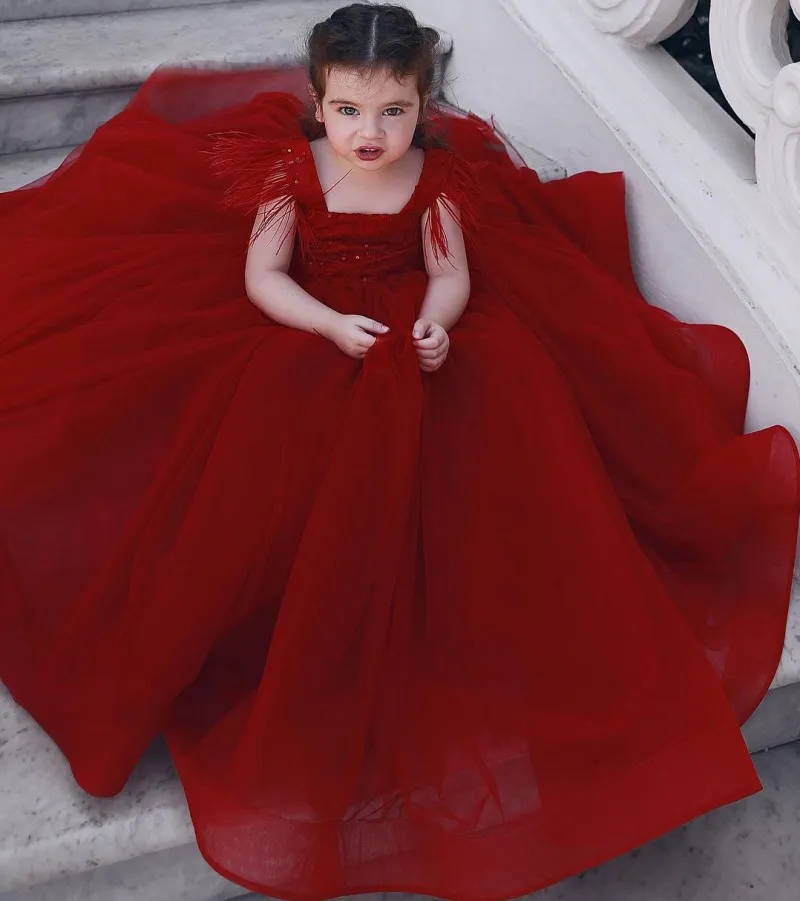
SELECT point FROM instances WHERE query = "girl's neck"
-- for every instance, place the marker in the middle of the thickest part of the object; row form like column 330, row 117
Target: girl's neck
column 348, row 188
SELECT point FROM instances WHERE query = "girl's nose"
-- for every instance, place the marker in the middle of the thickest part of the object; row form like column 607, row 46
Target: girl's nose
column 370, row 127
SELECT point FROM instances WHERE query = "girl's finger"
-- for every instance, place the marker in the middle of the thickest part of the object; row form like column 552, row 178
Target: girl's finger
column 429, row 343
column 372, row 327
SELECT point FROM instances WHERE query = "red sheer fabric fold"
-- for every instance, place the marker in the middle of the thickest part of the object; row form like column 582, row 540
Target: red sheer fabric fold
column 461, row 635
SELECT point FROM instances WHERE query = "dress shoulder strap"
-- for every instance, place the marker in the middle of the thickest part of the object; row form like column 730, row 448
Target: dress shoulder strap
column 449, row 184
column 263, row 172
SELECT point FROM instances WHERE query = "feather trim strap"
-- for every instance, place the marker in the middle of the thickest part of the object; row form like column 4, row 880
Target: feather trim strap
column 263, row 172
column 457, row 198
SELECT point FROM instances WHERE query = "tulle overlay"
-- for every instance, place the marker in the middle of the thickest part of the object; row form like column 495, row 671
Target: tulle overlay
column 460, row 634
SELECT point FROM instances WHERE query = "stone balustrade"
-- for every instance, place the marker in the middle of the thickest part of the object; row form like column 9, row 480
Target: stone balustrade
column 750, row 50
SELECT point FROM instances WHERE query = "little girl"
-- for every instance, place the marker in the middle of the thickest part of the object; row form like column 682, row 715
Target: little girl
column 437, row 554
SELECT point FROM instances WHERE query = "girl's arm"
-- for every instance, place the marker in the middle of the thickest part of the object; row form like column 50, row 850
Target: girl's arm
column 448, row 276
column 268, row 283
column 277, row 295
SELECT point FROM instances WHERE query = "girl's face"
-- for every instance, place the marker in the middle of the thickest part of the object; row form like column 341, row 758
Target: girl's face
column 369, row 118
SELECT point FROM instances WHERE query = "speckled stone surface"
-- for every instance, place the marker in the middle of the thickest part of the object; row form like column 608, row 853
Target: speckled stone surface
column 50, row 829
column 62, row 78
column 789, row 669
column 777, row 720
column 11, row 10
column 179, row 874
column 56, row 120
column 101, row 52
column 23, row 168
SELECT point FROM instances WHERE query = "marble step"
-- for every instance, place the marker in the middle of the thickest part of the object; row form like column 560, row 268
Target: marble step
column 19, row 169
column 17, row 10
column 61, row 78
column 58, row 844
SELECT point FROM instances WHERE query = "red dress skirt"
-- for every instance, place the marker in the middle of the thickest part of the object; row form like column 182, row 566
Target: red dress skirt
column 462, row 634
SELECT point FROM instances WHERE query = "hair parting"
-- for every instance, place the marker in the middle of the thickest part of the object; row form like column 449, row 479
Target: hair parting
column 376, row 36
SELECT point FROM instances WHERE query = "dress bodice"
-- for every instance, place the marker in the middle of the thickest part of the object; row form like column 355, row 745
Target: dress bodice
column 359, row 246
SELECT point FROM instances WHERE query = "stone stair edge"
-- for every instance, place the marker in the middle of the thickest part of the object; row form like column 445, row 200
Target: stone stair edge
column 49, row 56
column 28, row 10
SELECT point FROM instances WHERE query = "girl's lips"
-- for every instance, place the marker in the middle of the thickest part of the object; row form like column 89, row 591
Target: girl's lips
column 369, row 153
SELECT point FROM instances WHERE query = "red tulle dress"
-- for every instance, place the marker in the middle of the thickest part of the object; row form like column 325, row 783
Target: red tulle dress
column 462, row 634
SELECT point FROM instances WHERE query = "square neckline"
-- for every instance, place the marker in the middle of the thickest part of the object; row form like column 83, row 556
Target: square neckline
column 320, row 191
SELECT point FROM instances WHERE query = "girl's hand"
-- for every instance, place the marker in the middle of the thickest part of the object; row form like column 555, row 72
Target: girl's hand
column 353, row 335
column 432, row 344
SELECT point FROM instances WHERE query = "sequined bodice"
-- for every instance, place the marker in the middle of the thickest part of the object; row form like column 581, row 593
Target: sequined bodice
column 361, row 247
column 364, row 247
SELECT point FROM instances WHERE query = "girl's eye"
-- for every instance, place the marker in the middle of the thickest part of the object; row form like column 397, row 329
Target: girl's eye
column 348, row 110
column 394, row 111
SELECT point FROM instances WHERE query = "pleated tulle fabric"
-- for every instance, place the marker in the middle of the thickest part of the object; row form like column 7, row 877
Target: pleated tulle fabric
column 461, row 634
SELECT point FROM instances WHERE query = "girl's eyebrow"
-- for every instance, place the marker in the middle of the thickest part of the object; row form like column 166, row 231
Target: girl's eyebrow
column 404, row 103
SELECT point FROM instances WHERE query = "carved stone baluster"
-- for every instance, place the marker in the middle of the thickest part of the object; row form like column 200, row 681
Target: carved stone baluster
column 759, row 80
column 640, row 21
column 749, row 49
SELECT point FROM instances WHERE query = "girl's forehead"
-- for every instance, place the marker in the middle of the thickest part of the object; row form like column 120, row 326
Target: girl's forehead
column 370, row 86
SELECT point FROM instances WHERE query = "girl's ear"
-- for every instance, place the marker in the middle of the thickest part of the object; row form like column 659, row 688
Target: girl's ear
column 317, row 101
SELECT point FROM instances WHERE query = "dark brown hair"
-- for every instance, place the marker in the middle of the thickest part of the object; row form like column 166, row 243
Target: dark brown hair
column 369, row 36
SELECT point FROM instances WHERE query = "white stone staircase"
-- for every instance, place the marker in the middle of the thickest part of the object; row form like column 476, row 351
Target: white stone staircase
column 76, row 63
column 66, row 66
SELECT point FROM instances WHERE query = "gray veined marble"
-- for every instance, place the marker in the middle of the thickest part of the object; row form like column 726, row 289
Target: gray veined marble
column 15, row 10
column 61, row 78
column 777, row 720
column 789, row 667
column 178, row 874
column 56, row 120
column 50, row 829
column 20, row 169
